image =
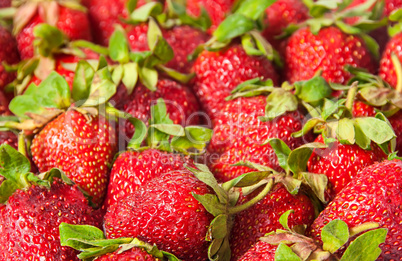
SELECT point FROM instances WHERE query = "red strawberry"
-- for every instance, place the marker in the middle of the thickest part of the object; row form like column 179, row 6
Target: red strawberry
column 341, row 162
column 72, row 22
column 4, row 104
column 387, row 70
column 260, row 251
column 5, row 3
column 280, row 15
column 263, row 217
column 239, row 135
column 8, row 54
column 133, row 169
column 104, row 14
column 216, row 9
column 180, row 230
column 10, row 138
column 81, row 146
column 330, row 50
column 132, row 254
column 218, row 73
column 373, row 196
column 181, row 103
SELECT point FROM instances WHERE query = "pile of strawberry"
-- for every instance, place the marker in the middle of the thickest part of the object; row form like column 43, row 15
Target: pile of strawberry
column 200, row 130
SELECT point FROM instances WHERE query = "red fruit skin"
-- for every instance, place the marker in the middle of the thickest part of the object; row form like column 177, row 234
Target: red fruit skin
column 218, row 73
column 4, row 105
column 387, row 69
column 373, row 196
column 263, row 217
column 134, row 254
column 260, row 251
column 239, row 136
column 330, row 50
column 73, row 23
column 5, row 3
column 280, row 15
column 166, row 214
column 183, row 40
column 133, row 169
column 10, row 138
column 104, row 15
column 29, row 222
column 216, row 9
column 8, row 54
column 182, row 106
column 341, row 163
column 82, row 149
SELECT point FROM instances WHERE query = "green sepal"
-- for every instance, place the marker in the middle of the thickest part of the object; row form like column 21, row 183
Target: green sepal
column 148, row 77
column 143, row 13
column 94, row 47
column 282, row 151
column 202, row 22
column 140, row 133
column 312, row 90
column 195, row 137
column 318, row 8
column 48, row 39
column 372, row 45
column 297, row 159
column 254, row 9
column 178, row 76
column 101, row 89
column 83, row 77
column 279, row 102
column 334, row 235
column 251, row 88
column 118, row 46
column 129, row 76
column 285, row 253
column 233, row 26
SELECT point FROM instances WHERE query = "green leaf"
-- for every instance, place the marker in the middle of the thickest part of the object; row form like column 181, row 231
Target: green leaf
column 75, row 235
column 195, row 137
column 143, row 13
column 149, row 77
column 7, row 188
column 140, row 133
column 210, row 203
column 298, row 157
column 254, row 9
column 180, row 77
column 246, row 180
column 117, row 74
column 345, row 131
column 285, row 253
column 318, row 183
column 347, row 29
column 202, row 22
column 118, row 46
column 313, row 90
column 48, row 39
column 285, row 218
column 53, row 92
column 318, row 23
column 154, row 33
column 279, row 102
column 320, row 7
column 233, row 26
column 102, row 88
column 219, row 226
column 334, row 235
column 282, row 151
column 83, row 76
column 131, row 5
column 361, row 140
column 130, row 76
column 375, row 129
column 170, row 129
column 372, row 45
column 365, row 247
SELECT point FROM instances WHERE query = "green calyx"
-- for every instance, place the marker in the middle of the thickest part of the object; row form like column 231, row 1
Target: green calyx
column 39, row 104
column 92, row 243
column 396, row 27
column 245, row 22
column 223, row 205
column 15, row 168
column 333, row 13
column 286, row 98
column 293, row 245
column 164, row 135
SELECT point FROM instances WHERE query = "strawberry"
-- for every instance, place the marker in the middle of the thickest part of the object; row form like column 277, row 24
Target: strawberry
column 69, row 17
column 132, row 254
column 10, row 138
column 279, row 16
column 9, row 55
column 373, row 196
column 181, row 230
column 262, row 218
column 135, row 167
column 387, row 69
column 48, row 203
column 4, row 104
column 5, row 3
column 260, row 251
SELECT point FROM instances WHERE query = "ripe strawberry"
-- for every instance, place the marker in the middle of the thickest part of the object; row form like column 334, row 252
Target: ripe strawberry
column 72, row 22
column 373, row 196
column 133, row 169
column 262, row 218
column 4, row 104
column 81, row 146
column 217, row 10
column 341, row 162
column 10, row 138
column 132, row 254
column 8, row 54
column 260, row 251
column 218, row 73
column 387, row 70
column 279, row 16
column 29, row 221
column 330, row 50
column 181, row 230
column 239, row 136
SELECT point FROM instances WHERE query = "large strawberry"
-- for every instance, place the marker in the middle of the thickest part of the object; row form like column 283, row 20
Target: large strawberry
column 324, row 46
column 29, row 221
column 9, row 55
column 181, row 230
column 141, row 163
column 68, row 16
column 373, row 196
column 74, row 138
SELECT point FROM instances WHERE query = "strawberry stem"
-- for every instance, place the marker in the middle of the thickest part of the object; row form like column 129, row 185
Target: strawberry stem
column 351, row 96
column 21, row 144
column 398, row 71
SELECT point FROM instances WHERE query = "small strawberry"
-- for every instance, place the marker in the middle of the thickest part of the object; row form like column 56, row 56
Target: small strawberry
column 181, row 230
column 138, row 165
column 68, row 16
column 49, row 203
column 373, row 196
column 322, row 46
column 9, row 55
